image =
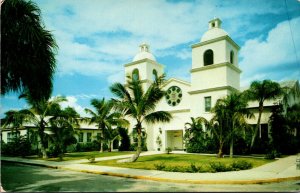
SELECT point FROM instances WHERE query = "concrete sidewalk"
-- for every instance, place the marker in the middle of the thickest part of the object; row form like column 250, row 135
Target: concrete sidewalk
column 277, row 171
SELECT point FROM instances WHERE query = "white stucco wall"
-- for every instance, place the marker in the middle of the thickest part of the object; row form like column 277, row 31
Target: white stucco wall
column 210, row 77
column 198, row 102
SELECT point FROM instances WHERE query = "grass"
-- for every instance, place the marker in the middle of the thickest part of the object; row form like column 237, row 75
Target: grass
column 179, row 161
column 85, row 155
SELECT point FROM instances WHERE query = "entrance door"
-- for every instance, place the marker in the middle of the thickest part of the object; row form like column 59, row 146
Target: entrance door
column 174, row 139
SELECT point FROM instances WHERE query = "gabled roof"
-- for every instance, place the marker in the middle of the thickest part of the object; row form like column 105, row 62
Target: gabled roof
column 176, row 80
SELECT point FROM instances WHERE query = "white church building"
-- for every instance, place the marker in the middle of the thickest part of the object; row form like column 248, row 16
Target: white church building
column 214, row 74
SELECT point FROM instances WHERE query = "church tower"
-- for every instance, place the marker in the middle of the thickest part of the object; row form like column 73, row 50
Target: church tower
column 215, row 72
column 144, row 67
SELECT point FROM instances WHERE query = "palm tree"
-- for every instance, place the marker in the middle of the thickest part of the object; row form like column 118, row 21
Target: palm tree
column 219, row 125
column 111, row 135
column 27, row 50
column 105, row 117
column 140, row 105
column 236, row 105
column 194, row 134
column 14, row 119
column 228, row 120
column 40, row 114
column 62, row 128
column 261, row 91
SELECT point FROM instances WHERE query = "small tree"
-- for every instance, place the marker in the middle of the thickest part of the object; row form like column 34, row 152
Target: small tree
column 194, row 136
column 140, row 105
column 104, row 117
column 62, row 128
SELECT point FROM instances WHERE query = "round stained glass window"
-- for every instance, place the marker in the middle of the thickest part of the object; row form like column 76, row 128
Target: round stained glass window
column 173, row 95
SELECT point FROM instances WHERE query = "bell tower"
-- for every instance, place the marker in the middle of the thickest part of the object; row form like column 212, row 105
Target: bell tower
column 144, row 66
column 215, row 72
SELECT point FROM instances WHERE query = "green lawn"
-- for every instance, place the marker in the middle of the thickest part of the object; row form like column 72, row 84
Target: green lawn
column 85, row 155
column 179, row 161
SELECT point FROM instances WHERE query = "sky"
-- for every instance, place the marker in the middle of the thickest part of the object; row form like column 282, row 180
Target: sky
column 97, row 37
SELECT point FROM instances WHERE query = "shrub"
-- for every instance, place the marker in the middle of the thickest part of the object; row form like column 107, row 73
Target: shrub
column 160, row 166
column 272, row 154
column 219, row 167
column 194, row 169
column 175, row 169
column 91, row 146
column 241, row 165
column 20, row 146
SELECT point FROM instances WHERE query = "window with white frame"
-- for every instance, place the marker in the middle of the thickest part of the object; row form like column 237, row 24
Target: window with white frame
column 207, row 101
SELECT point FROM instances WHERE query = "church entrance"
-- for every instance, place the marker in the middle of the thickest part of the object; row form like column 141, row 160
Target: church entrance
column 174, row 139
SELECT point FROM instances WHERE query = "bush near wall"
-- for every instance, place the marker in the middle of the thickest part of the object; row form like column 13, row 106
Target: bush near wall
column 20, row 146
column 92, row 146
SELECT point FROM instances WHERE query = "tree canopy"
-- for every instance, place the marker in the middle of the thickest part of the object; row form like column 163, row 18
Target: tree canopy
column 27, row 50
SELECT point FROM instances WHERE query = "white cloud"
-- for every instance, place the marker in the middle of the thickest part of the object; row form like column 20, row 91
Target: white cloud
column 275, row 52
column 111, row 31
column 72, row 102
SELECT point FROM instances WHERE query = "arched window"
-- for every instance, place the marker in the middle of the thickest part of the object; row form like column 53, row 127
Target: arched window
column 154, row 74
column 135, row 74
column 208, row 57
column 231, row 57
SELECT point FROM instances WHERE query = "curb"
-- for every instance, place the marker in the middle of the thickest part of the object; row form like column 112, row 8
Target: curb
column 186, row 181
column 258, row 181
column 33, row 164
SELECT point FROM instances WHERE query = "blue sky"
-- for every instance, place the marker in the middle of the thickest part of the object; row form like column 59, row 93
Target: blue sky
column 97, row 37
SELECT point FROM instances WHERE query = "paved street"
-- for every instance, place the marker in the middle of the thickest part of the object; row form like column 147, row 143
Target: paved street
column 26, row 178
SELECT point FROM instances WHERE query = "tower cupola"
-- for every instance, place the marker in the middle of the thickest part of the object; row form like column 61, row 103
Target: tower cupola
column 214, row 30
column 144, row 53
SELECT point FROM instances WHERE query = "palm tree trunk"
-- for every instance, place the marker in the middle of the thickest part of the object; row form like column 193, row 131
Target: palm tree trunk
column 231, row 147
column 101, row 142
column 260, row 110
column 220, row 154
column 44, row 152
column 42, row 140
column 111, row 145
column 139, row 147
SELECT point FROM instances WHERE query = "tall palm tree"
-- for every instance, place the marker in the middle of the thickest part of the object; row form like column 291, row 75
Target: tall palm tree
column 261, row 91
column 219, row 125
column 104, row 117
column 27, row 50
column 236, row 107
column 140, row 105
column 40, row 114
